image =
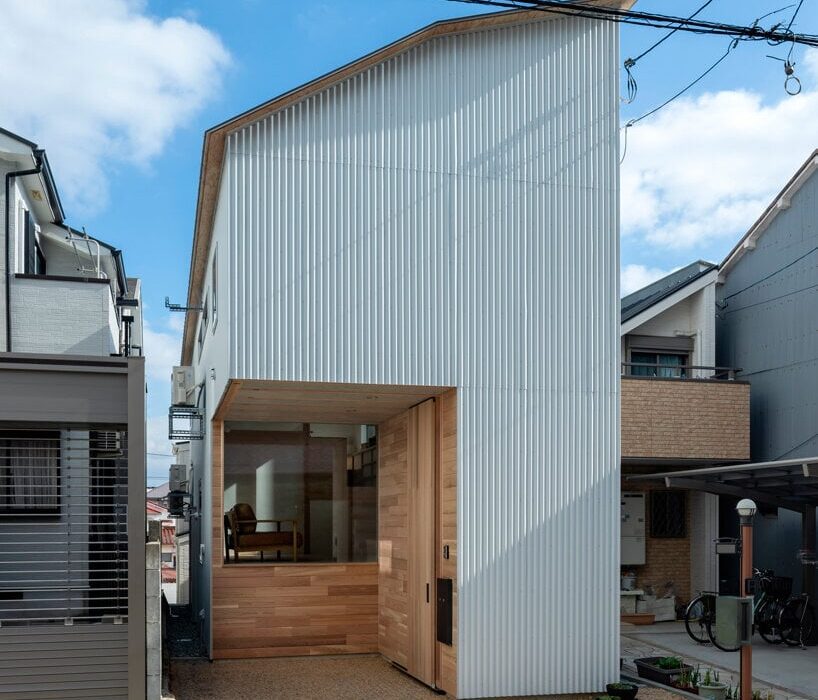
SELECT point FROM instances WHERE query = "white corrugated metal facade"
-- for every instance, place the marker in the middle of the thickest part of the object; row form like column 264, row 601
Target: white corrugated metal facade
column 449, row 217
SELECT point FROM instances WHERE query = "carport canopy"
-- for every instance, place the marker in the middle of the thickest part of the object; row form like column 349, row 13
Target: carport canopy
column 784, row 483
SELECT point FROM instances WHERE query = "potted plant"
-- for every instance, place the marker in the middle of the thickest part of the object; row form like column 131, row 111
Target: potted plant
column 711, row 687
column 623, row 691
column 688, row 681
column 661, row 669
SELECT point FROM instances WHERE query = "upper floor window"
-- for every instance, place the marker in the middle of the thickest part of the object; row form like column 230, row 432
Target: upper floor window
column 29, row 255
column 214, row 285
column 658, row 364
column 658, row 356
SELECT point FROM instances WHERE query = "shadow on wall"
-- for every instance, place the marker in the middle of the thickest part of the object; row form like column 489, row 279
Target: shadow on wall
column 539, row 549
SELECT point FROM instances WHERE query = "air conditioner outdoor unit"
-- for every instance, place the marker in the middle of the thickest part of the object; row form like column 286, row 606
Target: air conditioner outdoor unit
column 178, row 477
column 108, row 443
column 182, row 386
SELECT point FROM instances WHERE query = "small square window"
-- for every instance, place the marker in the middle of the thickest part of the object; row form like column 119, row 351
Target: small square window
column 668, row 514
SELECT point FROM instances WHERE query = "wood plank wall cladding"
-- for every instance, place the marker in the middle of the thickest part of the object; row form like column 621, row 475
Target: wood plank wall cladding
column 408, row 519
column 287, row 609
column 393, row 545
column 446, row 656
column 294, row 610
column 422, row 542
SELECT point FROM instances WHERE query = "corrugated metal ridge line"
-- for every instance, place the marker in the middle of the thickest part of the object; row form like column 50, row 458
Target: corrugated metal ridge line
column 214, row 144
column 449, row 218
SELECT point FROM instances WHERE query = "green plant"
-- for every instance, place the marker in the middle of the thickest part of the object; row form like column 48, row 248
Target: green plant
column 707, row 678
column 756, row 695
column 621, row 686
column 668, row 663
column 696, row 677
column 605, row 697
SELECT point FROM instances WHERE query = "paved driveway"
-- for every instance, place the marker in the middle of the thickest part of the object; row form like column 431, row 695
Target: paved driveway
column 321, row 678
column 310, row 678
column 789, row 672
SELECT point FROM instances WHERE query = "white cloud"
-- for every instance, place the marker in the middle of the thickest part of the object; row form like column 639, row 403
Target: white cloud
column 704, row 169
column 162, row 347
column 162, row 351
column 104, row 83
column 633, row 277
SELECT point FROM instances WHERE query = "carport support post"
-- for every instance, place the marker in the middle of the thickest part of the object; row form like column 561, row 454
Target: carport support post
column 808, row 544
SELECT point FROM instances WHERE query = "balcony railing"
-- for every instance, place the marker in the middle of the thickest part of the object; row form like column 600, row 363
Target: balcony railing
column 645, row 370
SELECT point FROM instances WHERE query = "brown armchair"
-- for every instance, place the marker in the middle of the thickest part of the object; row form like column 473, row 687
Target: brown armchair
column 240, row 534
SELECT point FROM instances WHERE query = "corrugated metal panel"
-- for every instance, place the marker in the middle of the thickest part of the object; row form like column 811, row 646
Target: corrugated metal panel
column 449, row 217
column 83, row 661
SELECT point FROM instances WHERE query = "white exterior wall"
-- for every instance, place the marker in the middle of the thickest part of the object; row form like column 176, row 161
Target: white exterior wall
column 695, row 316
column 62, row 317
column 449, row 217
column 210, row 365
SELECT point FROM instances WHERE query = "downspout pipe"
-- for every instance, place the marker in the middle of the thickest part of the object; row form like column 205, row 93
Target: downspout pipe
column 9, row 177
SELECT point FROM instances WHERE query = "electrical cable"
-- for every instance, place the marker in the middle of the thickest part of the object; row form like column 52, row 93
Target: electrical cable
column 768, row 301
column 631, row 62
column 667, row 36
column 794, row 15
column 687, row 87
column 647, row 19
column 772, row 274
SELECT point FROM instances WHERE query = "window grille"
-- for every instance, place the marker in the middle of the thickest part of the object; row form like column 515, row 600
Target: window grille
column 668, row 514
column 63, row 525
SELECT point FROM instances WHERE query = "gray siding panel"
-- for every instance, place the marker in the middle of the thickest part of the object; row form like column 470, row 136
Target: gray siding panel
column 769, row 328
column 84, row 661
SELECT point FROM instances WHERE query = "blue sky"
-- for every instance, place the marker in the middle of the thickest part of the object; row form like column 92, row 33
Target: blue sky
column 694, row 177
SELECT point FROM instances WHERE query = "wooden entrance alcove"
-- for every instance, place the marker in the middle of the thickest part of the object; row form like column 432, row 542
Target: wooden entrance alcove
column 388, row 606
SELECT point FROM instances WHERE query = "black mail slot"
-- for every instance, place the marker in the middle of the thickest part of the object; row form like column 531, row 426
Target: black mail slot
column 444, row 611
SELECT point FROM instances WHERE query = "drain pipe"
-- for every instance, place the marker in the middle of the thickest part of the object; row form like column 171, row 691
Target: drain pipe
column 9, row 177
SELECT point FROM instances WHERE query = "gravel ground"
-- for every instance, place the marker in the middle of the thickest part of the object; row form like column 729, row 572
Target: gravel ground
column 310, row 678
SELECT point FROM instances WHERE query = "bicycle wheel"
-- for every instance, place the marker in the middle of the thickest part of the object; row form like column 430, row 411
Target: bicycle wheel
column 767, row 621
column 698, row 616
column 796, row 622
column 711, row 631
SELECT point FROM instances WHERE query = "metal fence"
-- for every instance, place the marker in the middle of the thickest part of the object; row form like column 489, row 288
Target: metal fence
column 63, row 525
column 671, row 371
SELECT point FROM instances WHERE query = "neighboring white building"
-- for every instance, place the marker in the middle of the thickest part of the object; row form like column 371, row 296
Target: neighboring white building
column 407, row 272
column 72, row 455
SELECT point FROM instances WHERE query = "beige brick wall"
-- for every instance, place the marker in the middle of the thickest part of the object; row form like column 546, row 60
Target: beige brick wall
column 666, row 559
column 678, row 419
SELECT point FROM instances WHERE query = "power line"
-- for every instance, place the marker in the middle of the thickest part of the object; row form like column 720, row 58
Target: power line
column 754, row 32
column 772, row 274
column 633, row 88
column 632, row 61
column 794, row 15
column 687, row 87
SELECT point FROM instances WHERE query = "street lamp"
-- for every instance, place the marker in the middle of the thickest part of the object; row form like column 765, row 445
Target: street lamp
column 746, row 509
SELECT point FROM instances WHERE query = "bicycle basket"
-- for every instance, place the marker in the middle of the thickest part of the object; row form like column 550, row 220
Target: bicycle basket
column 777, row 586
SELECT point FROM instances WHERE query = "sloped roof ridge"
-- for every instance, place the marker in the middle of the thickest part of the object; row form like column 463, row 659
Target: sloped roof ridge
column 642, row 299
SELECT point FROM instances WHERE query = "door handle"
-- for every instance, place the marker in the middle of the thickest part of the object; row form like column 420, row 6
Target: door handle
column 427, row 592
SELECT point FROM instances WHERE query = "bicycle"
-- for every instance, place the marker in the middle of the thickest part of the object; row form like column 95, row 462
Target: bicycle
column 700, row 615
column 796, row 620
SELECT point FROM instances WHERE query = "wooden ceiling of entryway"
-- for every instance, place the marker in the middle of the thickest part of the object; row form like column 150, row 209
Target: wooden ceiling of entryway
column 318, row 402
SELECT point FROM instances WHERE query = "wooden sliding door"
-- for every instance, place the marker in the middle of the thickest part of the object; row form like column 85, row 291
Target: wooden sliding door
column 407, row 540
